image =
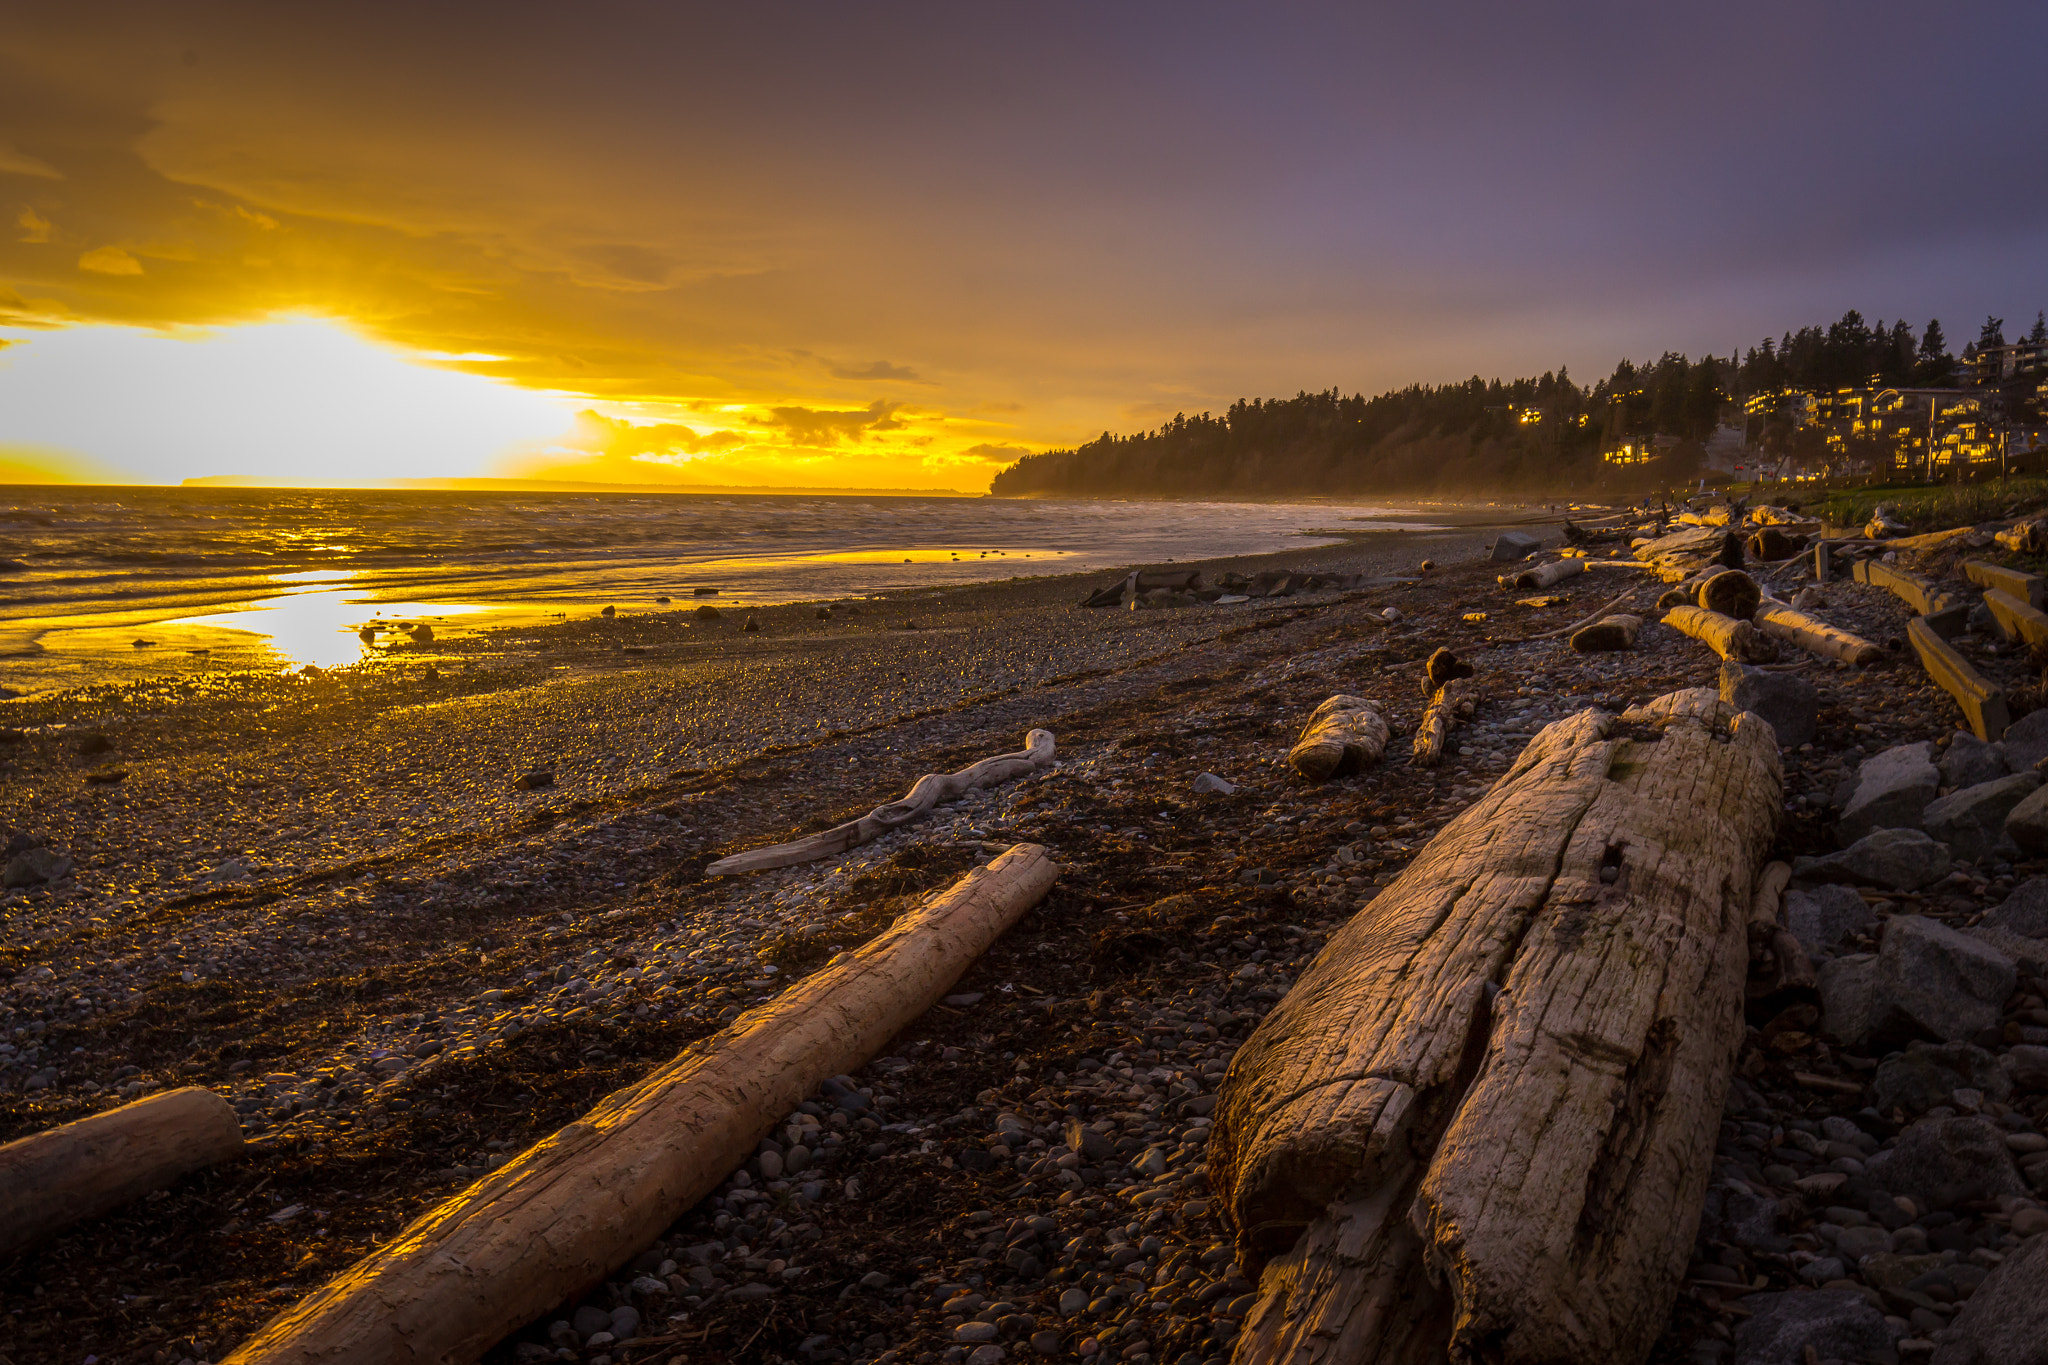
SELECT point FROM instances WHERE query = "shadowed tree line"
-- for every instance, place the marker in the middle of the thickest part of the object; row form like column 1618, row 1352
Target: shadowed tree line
column 1523, row 435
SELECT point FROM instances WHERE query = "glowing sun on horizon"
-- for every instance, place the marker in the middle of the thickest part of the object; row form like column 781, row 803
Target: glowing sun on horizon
column 292, row 399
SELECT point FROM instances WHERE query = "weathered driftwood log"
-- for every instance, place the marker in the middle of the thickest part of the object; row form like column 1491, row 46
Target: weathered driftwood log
column 1585, row 621
column 925, row 793
column 1983, row 705
column 2030, row 588
column 1608, row 633
column 1481, row 1125
column 1544, row 575
column 560, row 1217
column 1343, row 735
column 1730, row 592
column 1726, row 636
column 1452, row 703
column 1813, row 635
column 82, row 1169
column 2016, row 619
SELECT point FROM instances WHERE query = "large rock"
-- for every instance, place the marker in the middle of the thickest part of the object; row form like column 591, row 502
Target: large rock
column 1513, row 545
column 1925, row 1075
column 1971, row 821
column 1849, row 1005
column 1822, row 917
column 34, row 866
column 1892, row 789
column 2027, row 1064
column 2024, row 910
column 1939, row 1163
column 1788, row 703
column 1742, row 1218
column 1925, row 981
column 1798, row 1326
column 1896, row 859
column 1946, row 982
column 1968, row 761
column 2025, row 742
column 2027, row 823
column 2006, row 1321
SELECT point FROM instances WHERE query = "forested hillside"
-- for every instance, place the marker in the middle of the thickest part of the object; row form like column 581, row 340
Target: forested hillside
column 1519, row 436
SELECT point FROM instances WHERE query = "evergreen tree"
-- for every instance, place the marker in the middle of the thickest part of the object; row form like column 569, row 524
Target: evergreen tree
column 2039, row 335
column 1991, row 334
column 1936, row 367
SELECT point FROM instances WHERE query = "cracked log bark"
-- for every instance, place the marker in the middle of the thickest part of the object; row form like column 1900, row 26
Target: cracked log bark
column 563, row 1215
column 1452, row 702
column 925, row 793
column 1480, row 1126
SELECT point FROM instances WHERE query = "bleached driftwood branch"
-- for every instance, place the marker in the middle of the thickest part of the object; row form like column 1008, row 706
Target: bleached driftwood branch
column 927, row 792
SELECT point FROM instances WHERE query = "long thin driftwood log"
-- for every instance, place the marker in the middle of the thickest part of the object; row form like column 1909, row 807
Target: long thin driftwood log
column 1452, row 702
column 572, row 1209
column 80, row 1170
column 1813, row 635
column 1481, row 1125
column 1726, row 636
column 927, row 792
column 1343, row 735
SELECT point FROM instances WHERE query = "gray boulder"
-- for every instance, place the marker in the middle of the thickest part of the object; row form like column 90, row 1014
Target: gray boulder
column 1896, row 859
column 1949, row 984
column 1849, row 1005
column 1968, row 761
column 1742, row 1218
column 1939, row 1163
column 2006, row 1321
column 2028, row 1065
column 1892, row 789
column 1971, row 821
column 2024, row 911
column 1925, row 1075
column 1822, row 917
column 2027, row 823
column 1925, row 981
column 1513, row 545
column 1797, row 1326
column 1788, row 703
column 34, row 866
column 2025, row 742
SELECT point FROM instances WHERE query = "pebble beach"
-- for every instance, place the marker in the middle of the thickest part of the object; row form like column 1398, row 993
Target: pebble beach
column 412, row 916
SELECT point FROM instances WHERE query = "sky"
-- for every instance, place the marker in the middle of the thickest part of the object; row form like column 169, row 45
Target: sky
column 899, row 245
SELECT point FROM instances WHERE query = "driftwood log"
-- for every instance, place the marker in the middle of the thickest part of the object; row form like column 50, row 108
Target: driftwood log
column 1343, row 735
column 1608, row 633
column 560, row 1217
column 1544, row 575
column 80, row 1170
column 1584, row 621
column 1813, row 635
column 1730, row 592
column 926, row 792
column 1480, row 1126
column 1726, row 636
column 1983, row 704
column 1452, row 703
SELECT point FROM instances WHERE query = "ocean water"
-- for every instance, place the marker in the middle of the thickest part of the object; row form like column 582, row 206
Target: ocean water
column 212, row 578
